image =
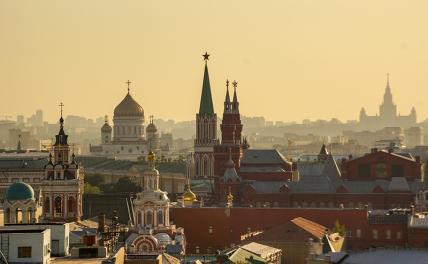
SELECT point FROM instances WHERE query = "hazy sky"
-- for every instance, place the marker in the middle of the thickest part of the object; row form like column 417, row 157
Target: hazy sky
column 293, row 59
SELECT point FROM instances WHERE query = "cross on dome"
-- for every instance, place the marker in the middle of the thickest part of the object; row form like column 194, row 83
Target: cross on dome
column 128, row 83
column 61, row 105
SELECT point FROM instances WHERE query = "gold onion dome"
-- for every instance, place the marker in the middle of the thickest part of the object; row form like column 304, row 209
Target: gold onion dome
column 188, row 195
column 129, row 107
column 229, row 196
column 151, row 156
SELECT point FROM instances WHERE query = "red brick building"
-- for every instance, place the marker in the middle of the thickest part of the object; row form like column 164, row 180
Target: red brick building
column 211, row 229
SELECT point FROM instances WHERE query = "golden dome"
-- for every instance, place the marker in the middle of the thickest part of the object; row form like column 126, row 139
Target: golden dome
column 188, row 195
column 128, row 107
column 151, row 156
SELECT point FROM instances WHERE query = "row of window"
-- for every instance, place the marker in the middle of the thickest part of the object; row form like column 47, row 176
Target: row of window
column 128, row 130
column 364, row 170
column 5, row 180
column 58, row 204
column 375, row 234
column 148, row 218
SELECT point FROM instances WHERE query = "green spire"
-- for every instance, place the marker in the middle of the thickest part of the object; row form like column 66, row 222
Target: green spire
column 206, row 107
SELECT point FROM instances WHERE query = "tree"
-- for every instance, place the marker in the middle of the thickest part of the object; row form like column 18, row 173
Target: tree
column 339, row 228
column 125, row 184
column 89, row 189
column 95, row 180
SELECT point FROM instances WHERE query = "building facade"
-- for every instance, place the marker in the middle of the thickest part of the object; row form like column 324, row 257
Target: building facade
column 127, row 139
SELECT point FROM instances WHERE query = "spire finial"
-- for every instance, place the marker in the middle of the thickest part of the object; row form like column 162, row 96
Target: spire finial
column 151, row 119
column 128, row 83
column 61, row 106
column 387, row 78
column 206, row 56
column 227, row 84
column 235, row 84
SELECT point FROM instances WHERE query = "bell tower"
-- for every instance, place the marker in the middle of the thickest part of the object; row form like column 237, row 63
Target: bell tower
column 62, row 186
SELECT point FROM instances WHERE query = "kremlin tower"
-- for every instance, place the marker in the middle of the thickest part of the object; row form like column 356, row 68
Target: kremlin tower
column 206, row 130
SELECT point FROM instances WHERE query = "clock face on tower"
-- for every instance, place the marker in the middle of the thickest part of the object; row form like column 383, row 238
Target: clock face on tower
column 381, row 170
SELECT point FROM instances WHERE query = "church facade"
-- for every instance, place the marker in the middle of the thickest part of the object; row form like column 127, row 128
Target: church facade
column 388, row 116
column 152, row 231
column 127, row 139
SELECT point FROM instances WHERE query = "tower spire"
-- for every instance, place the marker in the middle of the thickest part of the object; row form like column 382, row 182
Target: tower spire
column 235, row 102
column 227, row 105
column 387, row 79
column 19, row 147
column 206, row 106
column 61, row 120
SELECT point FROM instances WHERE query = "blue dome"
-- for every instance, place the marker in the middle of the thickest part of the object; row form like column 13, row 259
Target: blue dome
column 19, row 191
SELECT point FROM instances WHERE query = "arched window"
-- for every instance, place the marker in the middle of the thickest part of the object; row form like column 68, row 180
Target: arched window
column 70, row 204
column 58, row 205
column 149, row 218
column 139, row 218
column 47, row 205
column 206, row 167
column 160, row 217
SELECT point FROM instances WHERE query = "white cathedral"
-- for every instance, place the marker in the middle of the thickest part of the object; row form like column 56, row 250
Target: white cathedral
column 127, row 140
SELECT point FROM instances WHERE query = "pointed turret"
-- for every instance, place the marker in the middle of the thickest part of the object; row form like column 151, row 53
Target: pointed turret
column 235, row 103
column 206, row 106
column 227, row 104
column 19, row 147
column 387, row 97
column 61, row 148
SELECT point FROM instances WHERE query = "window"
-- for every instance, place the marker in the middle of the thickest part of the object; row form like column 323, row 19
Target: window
column 349, row 233
column 160, row 217
column 58, row 205
column 47, row 205
column 24, row 252
column 388, row 234
column 364, row 170
column 381, row 170
column 149, row 216
column 375, row 234
column 358, row 233
column 210, row 229
column 70, row 204
column 397, row 171
column 398, row 235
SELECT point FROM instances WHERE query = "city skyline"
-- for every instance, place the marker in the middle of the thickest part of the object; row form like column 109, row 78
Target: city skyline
column 289, row 58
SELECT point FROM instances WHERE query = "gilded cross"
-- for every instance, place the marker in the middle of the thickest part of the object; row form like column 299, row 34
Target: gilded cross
column 61, row 105
column 128, row 83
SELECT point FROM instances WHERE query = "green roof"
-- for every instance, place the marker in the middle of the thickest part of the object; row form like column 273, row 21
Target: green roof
column 19, row 191
column 206, row 107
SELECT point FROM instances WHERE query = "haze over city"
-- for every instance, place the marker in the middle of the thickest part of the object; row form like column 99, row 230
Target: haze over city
column 293, row 59
column 213, row 132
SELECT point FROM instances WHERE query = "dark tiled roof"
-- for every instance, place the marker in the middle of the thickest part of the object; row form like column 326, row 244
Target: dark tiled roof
column 23, row 164
column 262, row 156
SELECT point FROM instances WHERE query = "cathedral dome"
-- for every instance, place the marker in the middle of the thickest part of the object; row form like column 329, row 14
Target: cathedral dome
column 19, row 191
column 151, row 128
column 128, row 107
